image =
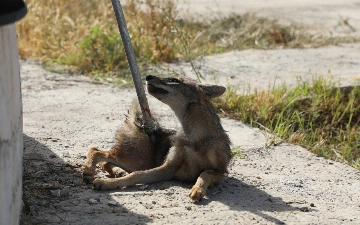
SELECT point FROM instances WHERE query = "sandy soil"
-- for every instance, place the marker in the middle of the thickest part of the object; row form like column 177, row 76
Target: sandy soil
column 66, row 114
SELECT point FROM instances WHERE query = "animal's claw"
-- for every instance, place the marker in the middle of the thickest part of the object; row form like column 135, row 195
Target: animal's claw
column 196, row 194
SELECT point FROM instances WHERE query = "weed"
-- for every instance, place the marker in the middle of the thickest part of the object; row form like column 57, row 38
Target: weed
column 316, row 115
column 99, row 50
column 236, row 152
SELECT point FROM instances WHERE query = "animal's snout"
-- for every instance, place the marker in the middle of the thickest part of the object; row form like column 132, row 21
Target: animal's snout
column 149, row 77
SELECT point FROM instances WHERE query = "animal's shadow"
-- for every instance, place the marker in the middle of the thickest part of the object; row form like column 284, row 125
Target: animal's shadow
column 238, row 196
column 54, row 192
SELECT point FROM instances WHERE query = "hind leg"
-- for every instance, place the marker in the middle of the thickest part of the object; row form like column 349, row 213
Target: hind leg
column 206, row 179
column 164, row 172
column 94, row 157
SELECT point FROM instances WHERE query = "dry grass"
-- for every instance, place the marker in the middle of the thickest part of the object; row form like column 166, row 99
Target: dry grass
column 84, row 34
column 51, row 29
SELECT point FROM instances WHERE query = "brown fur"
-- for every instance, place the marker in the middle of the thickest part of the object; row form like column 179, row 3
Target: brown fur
column 199, row 151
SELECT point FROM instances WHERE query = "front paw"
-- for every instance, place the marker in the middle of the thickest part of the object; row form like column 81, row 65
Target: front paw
column 105, row 184
column 99, row 184
column 196, row 194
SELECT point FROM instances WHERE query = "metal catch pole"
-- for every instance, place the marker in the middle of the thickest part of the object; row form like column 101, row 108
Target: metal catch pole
column 150, row 124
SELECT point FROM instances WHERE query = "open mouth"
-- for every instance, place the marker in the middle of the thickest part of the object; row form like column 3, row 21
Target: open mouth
column 156, row 90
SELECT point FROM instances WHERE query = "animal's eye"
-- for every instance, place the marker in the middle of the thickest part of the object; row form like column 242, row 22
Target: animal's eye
column 173, row 80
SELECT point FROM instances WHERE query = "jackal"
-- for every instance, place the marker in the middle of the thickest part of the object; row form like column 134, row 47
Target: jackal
column 199, row 151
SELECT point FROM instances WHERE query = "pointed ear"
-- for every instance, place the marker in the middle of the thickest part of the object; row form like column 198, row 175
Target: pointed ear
column 213, row 91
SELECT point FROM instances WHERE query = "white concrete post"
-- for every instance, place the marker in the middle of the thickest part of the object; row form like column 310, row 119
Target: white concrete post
column 11, row 136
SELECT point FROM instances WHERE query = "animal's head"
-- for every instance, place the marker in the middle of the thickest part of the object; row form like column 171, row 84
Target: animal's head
column 176, row 91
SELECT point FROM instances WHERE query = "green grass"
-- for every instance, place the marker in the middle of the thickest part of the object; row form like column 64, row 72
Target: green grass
column 316, row 115
column 236, row 152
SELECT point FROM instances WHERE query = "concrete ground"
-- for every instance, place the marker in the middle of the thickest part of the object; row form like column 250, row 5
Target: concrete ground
column 261, row 68
column 316, row 13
